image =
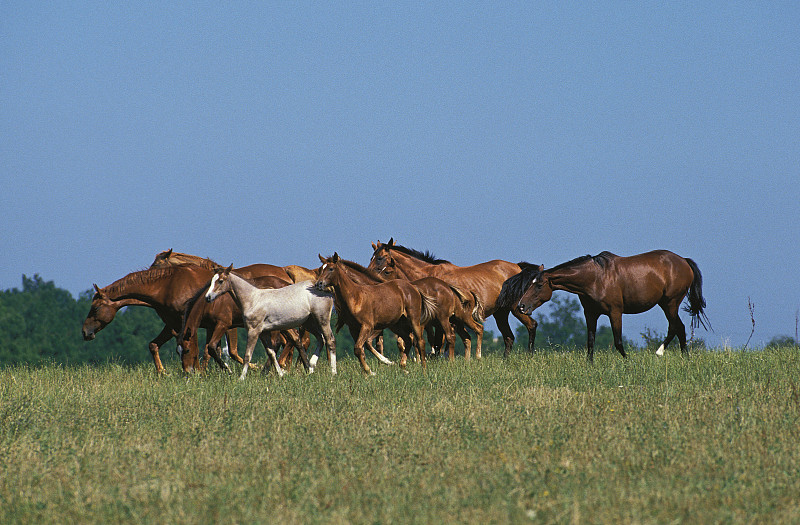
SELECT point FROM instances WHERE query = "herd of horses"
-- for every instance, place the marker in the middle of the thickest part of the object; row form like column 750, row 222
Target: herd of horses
column 411, row 293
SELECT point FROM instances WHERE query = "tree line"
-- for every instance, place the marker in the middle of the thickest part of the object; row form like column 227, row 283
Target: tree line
column 41, row 323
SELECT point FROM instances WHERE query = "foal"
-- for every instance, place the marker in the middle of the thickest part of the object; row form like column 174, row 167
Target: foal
column 397, row 305
column 263, row 310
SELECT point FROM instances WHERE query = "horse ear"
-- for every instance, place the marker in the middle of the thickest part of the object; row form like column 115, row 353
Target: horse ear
column 321, row 258
column 374, row 248
column 96, row 288
column 335, row 257
column 228, row 269
column 541, row 267
column 391, row 242
column 169, row 252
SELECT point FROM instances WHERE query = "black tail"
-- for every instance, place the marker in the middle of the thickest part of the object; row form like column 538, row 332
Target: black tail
column 696, row 301
column 515, row 286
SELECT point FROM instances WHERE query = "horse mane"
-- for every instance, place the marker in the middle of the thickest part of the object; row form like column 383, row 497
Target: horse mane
column 147, row 276
column 601, row 259
column 177, row 258
column 515, row 286
column 423, row 256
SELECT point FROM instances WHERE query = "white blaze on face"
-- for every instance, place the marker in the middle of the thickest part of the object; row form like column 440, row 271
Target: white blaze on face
column 210, row 293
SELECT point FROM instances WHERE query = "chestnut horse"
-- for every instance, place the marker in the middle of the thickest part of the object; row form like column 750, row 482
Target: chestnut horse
column 607, row 284
column 167, row 290
column 369, row 309
column 485, row 280
column 454, row 308
column 284, row 308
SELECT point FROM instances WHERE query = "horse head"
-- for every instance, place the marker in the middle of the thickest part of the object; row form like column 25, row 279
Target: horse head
column 162, row 259
column 327, row 273
column 101, row 312
column 220, row 283
column 539, row 292
column 382, row 260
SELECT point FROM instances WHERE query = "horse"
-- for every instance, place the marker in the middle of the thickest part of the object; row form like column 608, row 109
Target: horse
column 454, row 308
column 167, row 290
column 610, row 285
column 277, row 309
column 369, row 309
column 291, row 273
column 485, row 280
column 225, row 315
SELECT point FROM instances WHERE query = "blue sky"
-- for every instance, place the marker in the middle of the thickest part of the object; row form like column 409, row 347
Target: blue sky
column 271, row 132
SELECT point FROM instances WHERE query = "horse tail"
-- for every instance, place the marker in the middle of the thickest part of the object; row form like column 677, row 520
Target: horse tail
column 515, row 286
column 478, row 314
column 428, row 308
column 697, row 302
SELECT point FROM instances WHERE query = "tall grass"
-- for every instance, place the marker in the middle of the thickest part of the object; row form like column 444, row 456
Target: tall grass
column 544, row 438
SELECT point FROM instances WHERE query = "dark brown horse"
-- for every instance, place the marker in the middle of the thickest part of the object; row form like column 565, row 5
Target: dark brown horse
column 607, row 284
column 370, row 308
column 454, row 311
column 485, row 280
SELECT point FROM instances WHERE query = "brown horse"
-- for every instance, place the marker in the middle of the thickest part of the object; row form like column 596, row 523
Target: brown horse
column 607, row 284
column 485, row 280
column 291, row 273
column 167, row 290
column 454, row 308
column 369, row 309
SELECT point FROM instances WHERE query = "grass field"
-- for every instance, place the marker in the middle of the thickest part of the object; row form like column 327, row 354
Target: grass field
column 542, row 439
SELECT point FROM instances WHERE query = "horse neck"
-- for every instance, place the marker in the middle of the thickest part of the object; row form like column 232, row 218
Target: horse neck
column 367, row 276
column 347, row 289
column 134, row 291
column 241, row 291
column 411, row 267
column 576, row 279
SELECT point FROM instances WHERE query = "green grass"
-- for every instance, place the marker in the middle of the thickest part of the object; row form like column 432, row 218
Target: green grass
column 543, row 439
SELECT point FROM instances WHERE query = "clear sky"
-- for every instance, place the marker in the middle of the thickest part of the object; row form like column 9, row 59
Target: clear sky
column 271, row 132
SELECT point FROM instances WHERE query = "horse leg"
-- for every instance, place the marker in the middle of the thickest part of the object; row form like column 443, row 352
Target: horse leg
column 419, row 343
column 464, row 335
column 478, row 340
column 213, row 345
column 330, row 344
column 164, row 336
column 358, row 349
column 529, row 323
column 285, row 359
column 252, row 339
column 233, row 345
column 379, row 343
column 273, row 357
column 303, row 342
column 382, row 358
column 675, row 327
column 591, row 329
column 501, row 316
column 616, row 329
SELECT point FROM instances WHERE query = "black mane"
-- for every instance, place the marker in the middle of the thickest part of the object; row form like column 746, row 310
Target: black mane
column 601, row 259
column 515, row 286
column 423, row 256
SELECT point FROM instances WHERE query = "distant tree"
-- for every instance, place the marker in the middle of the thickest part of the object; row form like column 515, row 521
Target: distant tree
column 781, row 341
